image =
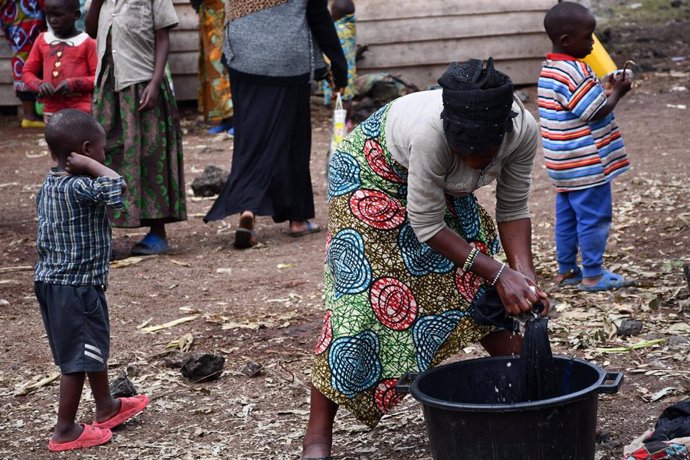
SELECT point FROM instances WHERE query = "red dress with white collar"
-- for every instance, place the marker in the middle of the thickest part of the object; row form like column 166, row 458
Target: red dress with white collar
column 54, row 60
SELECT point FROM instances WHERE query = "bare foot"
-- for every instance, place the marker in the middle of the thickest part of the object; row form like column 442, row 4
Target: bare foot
column 562, row 278
column 591, row 281
column 316, row 450
column 302, row 228
column 247, row 219
column 298, row 226
column 67, row 434
column 108, row 412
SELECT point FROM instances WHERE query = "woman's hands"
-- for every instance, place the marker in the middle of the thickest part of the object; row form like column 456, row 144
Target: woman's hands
column 149, row 97
column 515, row 286
column 519, row 293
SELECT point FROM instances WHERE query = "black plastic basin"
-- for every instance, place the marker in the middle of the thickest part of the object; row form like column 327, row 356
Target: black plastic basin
column 473, row 410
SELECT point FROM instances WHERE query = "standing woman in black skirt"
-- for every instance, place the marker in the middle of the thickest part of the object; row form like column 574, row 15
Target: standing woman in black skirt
column 273, row 51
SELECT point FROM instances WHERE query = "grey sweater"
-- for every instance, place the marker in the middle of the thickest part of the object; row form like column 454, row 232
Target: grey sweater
column 414, row 134
column 284, row 43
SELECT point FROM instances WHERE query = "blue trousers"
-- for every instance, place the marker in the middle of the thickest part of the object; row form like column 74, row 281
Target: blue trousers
column 583, row 220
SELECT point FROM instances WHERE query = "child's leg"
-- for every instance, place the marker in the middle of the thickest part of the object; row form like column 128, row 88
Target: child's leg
column 319, row 436
column 566, row 236
column 594, row 212
column 106, row 405
column 66, row 428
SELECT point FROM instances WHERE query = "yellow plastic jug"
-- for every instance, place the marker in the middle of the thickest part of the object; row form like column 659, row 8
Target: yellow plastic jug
column 599, row 60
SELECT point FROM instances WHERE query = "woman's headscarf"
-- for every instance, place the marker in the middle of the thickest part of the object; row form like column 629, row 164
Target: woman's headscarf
column 477, row 105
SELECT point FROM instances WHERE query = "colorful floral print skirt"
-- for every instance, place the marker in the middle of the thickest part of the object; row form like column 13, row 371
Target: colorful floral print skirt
column 393, row 305
column 145, row 148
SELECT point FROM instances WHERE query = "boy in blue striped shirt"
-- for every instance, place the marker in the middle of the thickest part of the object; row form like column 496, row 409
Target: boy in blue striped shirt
column 74, row 242
column 583, row 148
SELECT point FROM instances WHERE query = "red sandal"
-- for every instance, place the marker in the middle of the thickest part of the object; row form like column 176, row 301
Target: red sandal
column 129, row 407
column 91, row 436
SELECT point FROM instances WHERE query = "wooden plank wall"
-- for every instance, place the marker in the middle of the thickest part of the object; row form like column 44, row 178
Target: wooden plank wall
column 418, row 38
column 415, row 39
column 184, row 52
column 7, row 96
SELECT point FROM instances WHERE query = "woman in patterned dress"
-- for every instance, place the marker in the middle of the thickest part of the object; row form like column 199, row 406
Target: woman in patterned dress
column 215, row 99
column 21, row 22
column 134, row 102
column 409, row 249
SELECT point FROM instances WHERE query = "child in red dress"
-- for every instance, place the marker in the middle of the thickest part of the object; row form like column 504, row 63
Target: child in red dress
column 66, row 59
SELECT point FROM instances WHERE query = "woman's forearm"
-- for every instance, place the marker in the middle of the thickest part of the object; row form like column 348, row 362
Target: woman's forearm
column 161, row 52
column 450, row 245
column 516, row 238
column 91, row 20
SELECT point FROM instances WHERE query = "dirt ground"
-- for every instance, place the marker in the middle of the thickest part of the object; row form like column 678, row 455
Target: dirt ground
column 264, row 305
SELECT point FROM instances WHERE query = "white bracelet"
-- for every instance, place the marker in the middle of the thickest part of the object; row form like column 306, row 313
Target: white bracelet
column 498, row 274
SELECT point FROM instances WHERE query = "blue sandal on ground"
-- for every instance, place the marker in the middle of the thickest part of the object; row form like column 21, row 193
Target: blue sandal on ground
column 311, row 228
column 220, row 128
column 572, row 277
column 608, row 281
column 151, row 244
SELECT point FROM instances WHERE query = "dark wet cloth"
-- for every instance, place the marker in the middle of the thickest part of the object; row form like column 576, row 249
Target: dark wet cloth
column 536, row 362
column 537, row 368
column 477, row 105
column 489, row 311
column 673, row 423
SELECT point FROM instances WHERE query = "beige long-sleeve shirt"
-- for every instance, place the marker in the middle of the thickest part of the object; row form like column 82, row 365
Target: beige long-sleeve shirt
column 414, row 134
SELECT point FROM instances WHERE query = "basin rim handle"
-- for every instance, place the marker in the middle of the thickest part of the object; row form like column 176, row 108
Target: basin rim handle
column 611, row 388
column 404, row 382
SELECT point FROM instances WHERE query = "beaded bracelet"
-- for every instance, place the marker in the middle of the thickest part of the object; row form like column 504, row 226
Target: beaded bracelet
column 498, row 274
column 470, row 260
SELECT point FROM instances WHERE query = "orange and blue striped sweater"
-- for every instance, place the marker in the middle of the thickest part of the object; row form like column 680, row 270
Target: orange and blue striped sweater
column 579, row 153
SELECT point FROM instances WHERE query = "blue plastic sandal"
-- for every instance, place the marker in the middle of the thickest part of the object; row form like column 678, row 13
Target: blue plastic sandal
column 150, row 245
column 574, row 276
column 310, row 228
column 608, row 281
column 220, row 128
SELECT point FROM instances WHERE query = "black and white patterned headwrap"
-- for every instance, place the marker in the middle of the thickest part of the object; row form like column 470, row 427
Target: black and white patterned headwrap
column 477, row 105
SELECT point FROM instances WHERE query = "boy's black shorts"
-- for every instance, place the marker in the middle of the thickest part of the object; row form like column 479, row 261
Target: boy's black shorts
column 76, row 320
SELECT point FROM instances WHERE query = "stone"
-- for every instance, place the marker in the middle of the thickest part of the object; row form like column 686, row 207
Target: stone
column 122, row 387
column 629, row 327
column 210, row 182
column 202, row 367
column 174, row 359
column 678, row 341
column 252, row 369
column 603, row 436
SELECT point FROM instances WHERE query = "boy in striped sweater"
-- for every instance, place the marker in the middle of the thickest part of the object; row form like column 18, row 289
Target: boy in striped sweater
column 583, row 147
